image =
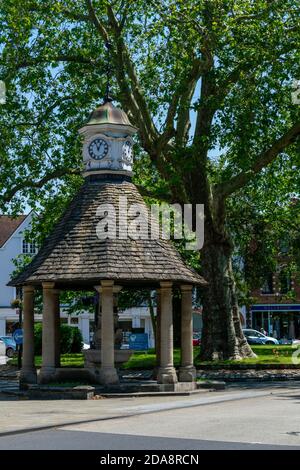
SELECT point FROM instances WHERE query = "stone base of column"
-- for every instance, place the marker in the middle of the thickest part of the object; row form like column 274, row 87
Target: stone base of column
column 108, row 376
column 167, row 375
column 47, row 375
column 28, row 376
column 187, row 374
column 155, row 373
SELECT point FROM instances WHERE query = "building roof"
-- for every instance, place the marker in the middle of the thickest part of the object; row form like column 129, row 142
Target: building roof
column 73, row 255
column 8, row 225
column 107, row 113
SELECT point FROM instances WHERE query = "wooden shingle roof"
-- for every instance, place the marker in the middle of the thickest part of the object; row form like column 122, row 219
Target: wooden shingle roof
column 73, row 255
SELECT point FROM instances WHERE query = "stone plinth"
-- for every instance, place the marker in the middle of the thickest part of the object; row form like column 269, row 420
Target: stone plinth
column 178, row 387
column 92, row 361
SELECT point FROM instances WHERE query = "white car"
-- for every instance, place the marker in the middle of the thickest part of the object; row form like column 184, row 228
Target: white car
column 256, row 337
column 2, row 348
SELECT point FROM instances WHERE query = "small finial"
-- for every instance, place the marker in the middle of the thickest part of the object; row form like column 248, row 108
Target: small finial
column 107, row 97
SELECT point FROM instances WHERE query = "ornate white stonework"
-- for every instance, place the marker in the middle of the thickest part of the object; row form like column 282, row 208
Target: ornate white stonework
column 108, row 143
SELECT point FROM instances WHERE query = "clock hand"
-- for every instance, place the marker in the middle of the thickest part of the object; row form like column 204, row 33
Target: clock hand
column 101, row 149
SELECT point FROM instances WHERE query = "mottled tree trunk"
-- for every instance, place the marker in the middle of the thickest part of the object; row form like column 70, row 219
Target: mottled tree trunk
column 222, row 335
column 243, row 347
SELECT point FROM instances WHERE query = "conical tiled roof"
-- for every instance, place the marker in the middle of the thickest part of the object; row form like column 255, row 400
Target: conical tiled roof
column 74, row 256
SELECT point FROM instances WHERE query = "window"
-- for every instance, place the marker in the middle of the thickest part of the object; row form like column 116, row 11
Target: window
column 285, row 281
column 28, row 248
column 252, row 333
column 267, row 287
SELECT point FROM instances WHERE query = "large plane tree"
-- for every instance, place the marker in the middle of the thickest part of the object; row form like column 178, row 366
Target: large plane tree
column 208, row 83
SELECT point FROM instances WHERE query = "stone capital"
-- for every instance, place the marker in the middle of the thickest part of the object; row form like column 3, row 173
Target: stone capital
column 28, row 288
column 186, row 288
column 165, row 285
column 116, row 288
column 107, row 284
column 48, row 285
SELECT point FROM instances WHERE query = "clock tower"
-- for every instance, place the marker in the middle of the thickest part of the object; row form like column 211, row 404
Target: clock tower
column 107, row 146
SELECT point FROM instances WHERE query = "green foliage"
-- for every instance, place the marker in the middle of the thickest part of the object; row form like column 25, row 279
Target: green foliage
column 77, row 341
column 66, row 360
column 54, row 77
column 70, row 339
column 38, row 338
column 207, row 82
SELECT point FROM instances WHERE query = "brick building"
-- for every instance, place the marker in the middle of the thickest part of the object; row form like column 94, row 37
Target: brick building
column 276, row 306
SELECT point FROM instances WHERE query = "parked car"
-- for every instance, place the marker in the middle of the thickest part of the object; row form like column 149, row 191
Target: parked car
column 2, row 348
column 10, row 346
column 196, row 339
column 256, row 337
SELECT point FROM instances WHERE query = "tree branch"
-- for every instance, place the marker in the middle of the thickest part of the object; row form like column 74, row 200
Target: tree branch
column 143, row 115
column 188, row 85
column 131, row 97
column 264, row 159
column 60, row 58
column 73, row 15
column 45, row 114
column 27, row 184
column 95, row 20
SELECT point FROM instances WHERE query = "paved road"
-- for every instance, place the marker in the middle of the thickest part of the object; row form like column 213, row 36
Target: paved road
column 74, row 440
column 235, row 419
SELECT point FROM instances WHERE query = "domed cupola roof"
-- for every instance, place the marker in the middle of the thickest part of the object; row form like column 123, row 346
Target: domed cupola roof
column 107, row 113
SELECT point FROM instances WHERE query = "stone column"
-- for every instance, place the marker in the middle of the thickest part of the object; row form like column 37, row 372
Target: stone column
column 157, row 336
column 48, row 339
column 28, row 372
column 98, row 323
column 166, row 372
column 116, row 291
column 108, row 372
column 57, row 327
column 187, row 371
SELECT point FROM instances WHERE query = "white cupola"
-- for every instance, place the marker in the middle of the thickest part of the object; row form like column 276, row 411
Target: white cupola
column 107, row 146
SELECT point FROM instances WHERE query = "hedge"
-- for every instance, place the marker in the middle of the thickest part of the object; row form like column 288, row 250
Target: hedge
column 70, row 339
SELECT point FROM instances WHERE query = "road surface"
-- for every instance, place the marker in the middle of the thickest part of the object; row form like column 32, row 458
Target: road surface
column 239, row 418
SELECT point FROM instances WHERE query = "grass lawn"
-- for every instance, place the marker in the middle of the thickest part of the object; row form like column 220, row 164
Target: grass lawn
column 266, row 354
column 67, row 360
column 147, row 360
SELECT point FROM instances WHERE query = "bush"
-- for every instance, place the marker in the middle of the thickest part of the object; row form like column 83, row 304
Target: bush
column 66, row 338
column 77, row 343
column 70, row 339
column 38, row 338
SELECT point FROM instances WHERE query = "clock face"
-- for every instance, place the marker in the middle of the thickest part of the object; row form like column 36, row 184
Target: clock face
column 98, row 149
column 127, row 151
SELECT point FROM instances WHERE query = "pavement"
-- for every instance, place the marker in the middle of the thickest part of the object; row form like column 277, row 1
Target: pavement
column 264, row 416
column 3, row 360
column 9, row 377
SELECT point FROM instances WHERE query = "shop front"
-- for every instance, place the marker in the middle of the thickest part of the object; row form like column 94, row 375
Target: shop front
column 282, row 321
